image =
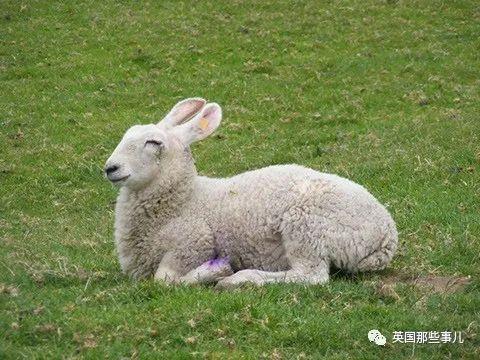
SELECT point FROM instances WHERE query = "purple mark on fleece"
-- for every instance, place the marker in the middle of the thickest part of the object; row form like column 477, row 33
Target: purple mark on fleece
column 218, row 262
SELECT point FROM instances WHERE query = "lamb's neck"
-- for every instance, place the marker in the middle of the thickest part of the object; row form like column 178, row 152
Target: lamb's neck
column 160, row 202
column 140, row 215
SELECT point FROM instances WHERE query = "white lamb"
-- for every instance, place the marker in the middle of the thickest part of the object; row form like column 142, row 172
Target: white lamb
column 277, row 224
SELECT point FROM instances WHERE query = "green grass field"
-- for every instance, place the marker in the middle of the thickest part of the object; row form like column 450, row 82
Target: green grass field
column 386, row 93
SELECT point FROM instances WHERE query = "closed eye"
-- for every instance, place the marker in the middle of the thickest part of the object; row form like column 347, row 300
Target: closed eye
column 153, row 142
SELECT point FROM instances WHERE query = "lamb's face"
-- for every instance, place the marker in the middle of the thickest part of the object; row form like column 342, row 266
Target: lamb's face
column 139, row 156
column 149, row 152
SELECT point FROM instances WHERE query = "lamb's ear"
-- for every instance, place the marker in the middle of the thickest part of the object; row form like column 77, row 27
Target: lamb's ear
column 182, row 111
column 202, row 125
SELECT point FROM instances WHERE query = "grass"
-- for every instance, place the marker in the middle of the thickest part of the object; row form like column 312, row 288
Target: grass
column 383, row 92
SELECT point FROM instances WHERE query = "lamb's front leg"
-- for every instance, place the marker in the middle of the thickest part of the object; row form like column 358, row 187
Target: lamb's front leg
column 169, row 270
column 194, row 245
column 209, row 272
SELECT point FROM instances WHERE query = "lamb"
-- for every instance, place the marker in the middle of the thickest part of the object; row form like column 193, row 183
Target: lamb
column 282, row 223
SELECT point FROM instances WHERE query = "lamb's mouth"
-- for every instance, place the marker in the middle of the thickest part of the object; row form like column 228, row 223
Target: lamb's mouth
column 120, row 179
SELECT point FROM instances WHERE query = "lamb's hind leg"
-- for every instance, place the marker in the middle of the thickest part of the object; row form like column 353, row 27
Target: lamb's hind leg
column 310, row 275
column 302, row 239
column 307, row 266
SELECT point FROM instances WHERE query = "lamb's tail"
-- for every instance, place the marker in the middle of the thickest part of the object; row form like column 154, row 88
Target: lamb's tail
column 381, row 257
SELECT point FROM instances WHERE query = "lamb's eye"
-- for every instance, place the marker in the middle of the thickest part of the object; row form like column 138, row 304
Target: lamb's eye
column 153, row 142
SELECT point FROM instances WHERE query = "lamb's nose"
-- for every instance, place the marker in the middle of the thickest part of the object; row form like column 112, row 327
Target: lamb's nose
column 111, row 169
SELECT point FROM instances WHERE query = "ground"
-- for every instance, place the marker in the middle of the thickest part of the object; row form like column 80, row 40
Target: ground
column 385, row 93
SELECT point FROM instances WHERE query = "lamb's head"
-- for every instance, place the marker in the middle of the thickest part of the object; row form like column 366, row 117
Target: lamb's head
column 161, row 151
